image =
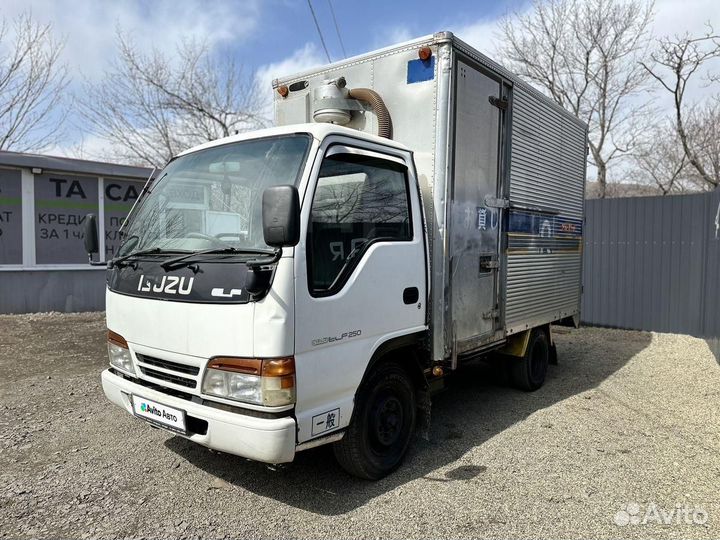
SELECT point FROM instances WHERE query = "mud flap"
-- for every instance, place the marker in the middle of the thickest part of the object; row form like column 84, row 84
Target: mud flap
column 553, row 359
column 516, row 344
column 424, row 405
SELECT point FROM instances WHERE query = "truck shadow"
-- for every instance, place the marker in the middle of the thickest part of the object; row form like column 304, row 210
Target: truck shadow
column 477, row 406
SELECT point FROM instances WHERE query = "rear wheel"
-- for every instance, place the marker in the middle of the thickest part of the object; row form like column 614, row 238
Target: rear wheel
column 382, row 425
column 528, row 373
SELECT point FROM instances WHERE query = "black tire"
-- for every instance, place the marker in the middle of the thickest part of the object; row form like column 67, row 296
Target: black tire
column 528, row 373
column 382, row 425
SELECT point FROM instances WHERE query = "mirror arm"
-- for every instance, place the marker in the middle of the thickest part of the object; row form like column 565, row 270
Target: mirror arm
column 260, row 275
column 96, row 263
column 254, row 263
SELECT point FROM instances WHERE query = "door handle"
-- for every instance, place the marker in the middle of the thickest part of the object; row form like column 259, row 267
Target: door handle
column 411, row 295
column 488, row 263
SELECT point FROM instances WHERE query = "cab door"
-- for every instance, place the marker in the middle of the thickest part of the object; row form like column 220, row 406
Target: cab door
column 360, row 274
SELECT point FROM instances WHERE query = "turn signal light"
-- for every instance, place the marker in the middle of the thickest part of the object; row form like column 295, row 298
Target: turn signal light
column 253, row 366
column 116, row 339
column 269, row 367
column 278, row 367
column 283, row 91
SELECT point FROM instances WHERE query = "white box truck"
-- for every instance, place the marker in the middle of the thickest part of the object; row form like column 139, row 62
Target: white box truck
column 316, row 282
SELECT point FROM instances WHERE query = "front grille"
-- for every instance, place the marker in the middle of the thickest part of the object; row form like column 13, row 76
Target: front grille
column 175, row 379
column 167, row 364
column 154, row 386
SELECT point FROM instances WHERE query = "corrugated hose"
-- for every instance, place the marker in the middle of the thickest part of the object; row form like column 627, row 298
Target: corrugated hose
column 378, row 105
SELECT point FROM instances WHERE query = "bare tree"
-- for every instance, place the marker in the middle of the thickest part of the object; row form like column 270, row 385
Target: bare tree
column 674, row 64
column 585, row 54
column 32, row 85
column 703, row 140
column 661, row 159
column 150, row 107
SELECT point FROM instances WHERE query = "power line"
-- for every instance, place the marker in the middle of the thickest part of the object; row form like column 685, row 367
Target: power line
column 342, row 45
column 319, row 31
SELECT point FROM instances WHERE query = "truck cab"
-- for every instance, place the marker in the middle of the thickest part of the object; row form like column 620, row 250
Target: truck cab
column 254, row 348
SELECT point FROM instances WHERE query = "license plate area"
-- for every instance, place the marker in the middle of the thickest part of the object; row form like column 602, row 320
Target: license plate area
column 159, row 415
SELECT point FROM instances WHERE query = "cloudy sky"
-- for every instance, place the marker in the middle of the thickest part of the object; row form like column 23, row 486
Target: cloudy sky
column 278, row 37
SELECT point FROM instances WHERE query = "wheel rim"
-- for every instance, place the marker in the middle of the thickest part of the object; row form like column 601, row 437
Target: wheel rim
column 386, row 421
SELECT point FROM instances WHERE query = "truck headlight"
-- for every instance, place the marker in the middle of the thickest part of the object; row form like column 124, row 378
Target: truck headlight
column 119, row 354
column 269, row 382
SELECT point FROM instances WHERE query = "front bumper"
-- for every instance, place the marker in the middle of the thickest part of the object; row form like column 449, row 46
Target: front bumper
column 261, row 439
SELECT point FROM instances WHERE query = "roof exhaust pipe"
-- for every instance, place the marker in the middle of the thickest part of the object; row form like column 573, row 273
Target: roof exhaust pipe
column 333, row 104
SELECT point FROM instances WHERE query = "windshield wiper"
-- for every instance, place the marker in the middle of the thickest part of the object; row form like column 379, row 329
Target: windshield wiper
column 184, row 260
column 119, row 260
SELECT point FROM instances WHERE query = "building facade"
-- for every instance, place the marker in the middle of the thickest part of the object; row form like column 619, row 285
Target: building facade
column 43, row 204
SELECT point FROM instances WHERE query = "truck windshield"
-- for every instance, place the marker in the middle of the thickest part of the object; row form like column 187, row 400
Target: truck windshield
column 213, row 198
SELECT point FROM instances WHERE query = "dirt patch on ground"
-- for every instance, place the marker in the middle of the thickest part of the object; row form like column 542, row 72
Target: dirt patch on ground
column 627, row 422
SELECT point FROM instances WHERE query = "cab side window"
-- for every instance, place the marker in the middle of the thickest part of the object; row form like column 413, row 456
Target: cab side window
column 358, row 200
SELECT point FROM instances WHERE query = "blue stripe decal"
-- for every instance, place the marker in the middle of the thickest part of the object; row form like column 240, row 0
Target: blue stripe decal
column 421, row 70
column 540, row 224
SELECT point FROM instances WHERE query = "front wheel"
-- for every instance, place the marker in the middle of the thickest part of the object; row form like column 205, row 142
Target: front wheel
column 382, row 426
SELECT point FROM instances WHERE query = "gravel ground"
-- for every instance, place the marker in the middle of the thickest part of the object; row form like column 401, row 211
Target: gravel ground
column 626, row 418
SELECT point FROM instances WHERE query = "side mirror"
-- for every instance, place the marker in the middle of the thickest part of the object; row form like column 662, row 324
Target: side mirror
column 91, row 235
column 91, row 239
column 281, row 216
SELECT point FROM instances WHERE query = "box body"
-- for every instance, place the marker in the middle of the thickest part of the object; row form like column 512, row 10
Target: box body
column 502, row 175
